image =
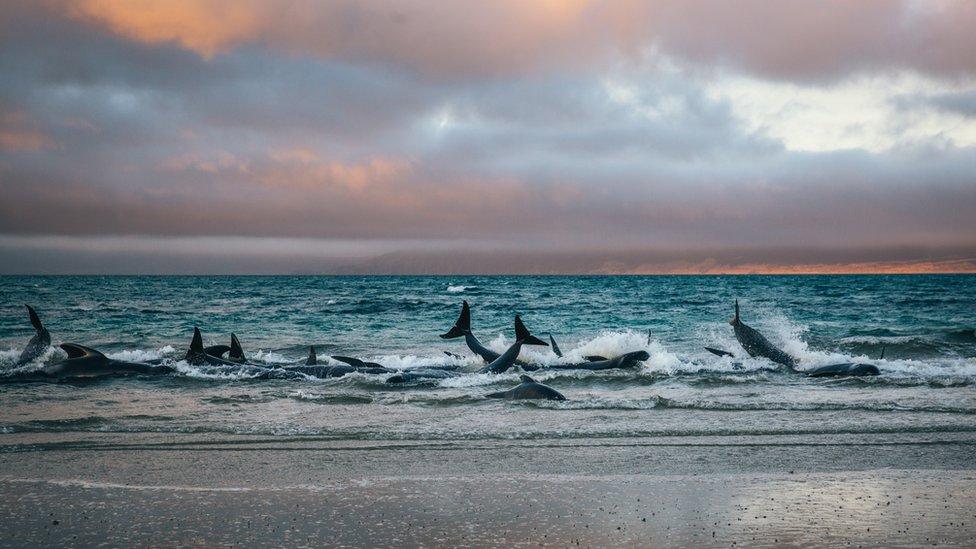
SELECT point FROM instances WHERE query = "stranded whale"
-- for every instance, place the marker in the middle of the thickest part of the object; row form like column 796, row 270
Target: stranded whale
column 756, row 344
column 39, row 343
column 462, row 328
column 528, row 389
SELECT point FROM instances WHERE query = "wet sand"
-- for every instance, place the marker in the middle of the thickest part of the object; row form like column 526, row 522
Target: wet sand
column 885, row 489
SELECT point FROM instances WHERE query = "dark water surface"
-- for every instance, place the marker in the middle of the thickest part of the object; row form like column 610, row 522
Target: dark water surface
column 928, row 381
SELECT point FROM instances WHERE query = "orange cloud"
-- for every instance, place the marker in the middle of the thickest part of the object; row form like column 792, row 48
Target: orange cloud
column 206, row 27
column 17, row 133
column 500, row 36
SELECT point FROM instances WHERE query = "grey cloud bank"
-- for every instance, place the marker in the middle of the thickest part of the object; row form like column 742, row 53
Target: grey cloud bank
column 515, row 131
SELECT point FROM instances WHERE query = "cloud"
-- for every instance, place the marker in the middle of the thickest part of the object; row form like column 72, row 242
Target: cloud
column 19, row 133
column 545, row 126
column 787, row 39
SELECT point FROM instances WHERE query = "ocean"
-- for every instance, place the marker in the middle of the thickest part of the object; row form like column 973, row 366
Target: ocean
column 925, row 323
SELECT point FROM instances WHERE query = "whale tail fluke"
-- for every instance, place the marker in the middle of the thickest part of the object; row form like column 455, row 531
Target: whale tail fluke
column 463, row 325
column 555, row 348
column 311, row 360
column 236, row 351
column 523, row 336
column 34, row 319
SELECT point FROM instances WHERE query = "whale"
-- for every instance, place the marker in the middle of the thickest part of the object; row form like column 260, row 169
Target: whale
column 597, row 362
column 528, row 389
column 462, row 328
column 756, row 344
column 507, row 359
column 844, row 369
column 38, row 343
column 500, row 364
column 197, row 355
column 624, row 361
column 85, row 362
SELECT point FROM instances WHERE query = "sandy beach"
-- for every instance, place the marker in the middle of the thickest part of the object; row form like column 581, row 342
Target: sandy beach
column 891, row 490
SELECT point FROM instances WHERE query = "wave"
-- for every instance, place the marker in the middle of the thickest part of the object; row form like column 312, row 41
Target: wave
column 460, row 289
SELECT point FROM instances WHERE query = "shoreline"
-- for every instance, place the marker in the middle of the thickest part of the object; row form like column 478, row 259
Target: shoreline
column 164, row 489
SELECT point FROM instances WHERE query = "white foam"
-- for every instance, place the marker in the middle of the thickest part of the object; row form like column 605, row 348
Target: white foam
column 459, row 289
column 141, row 355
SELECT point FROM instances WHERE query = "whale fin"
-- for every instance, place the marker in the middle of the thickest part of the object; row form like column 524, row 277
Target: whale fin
column 523, row 336
column 79, row 351
column 735, row 319
column 463, row 324
column 555, row 348
column 236, row 351
column 526, row 379
column 648, row 336
column 354, row 362
column 196, row 344
column 311, row 360
column 595, row 358
column 718, row 352
column 35, row 320
column 883, row 347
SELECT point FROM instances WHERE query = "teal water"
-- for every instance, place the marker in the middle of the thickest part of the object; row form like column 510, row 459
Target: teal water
column 926, row 323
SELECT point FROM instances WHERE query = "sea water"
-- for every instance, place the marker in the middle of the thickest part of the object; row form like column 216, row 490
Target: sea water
column 925, row 323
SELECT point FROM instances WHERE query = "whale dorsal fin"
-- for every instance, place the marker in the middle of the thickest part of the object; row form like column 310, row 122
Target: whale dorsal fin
column 196, row 344
column 735, row 319
column 555, row 348
column 236, row 351
column 526, row 379
column 354, row 362
column 35, row 320
column 523, row 336
column 311, row 360
column 883, row 347
column 79, row 351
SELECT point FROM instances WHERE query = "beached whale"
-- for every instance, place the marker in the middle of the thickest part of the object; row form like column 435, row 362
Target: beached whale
column 507, row 359
column 844, row 369
column 198, row 356
column 626, row 360
column 462, row 328
column 528, row 389
column 84, row 362
column 500, row 364
column 597, row 362
column 756, row 344
column 39, row 343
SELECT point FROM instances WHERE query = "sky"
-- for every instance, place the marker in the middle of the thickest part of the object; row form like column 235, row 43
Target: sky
column 511, row 136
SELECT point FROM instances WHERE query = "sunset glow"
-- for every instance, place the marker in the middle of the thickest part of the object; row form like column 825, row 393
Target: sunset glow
column 505, row 136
